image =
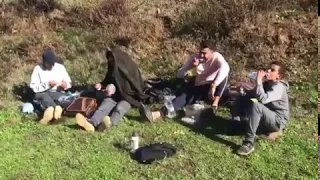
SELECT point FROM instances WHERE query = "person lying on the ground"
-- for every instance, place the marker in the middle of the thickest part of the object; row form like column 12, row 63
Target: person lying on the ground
column 48, row 79
column 125, row 75
column 267, row 106
column 211, row 81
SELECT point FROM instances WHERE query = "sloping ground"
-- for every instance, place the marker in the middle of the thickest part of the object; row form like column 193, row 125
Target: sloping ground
column 159, row 35
column 249, row 38
column 249, row 33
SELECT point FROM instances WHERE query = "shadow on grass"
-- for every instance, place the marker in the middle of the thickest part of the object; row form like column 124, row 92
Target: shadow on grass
column 121, row 146
column 137, row 118
column 211, row 126
column 73, row 126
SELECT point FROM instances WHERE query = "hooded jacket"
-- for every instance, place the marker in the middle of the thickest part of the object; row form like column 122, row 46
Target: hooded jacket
column 126, row 76
column 274, row 95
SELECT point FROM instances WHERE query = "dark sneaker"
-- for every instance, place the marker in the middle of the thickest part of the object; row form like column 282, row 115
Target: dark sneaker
column 146, row 113
column 245, row 149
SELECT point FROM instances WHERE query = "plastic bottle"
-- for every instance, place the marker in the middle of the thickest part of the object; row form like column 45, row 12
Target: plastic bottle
column 168, row 103
column 200, row 68
column 242, row 92
column 253, row 75
column 134, row 142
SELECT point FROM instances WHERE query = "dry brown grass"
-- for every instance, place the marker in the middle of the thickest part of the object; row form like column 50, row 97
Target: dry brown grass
column 248, row 33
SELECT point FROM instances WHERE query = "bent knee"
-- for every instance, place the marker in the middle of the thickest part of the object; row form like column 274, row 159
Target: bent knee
column 256, row 105
column 123, row 107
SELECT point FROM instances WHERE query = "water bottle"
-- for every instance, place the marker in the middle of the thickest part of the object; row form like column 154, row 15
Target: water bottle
column 242, row 92
column 253, row 75
column 168, row 103
column 200, row 68
column 134, row 142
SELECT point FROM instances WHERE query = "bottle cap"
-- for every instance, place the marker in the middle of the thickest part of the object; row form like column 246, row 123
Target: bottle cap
column 135, row 134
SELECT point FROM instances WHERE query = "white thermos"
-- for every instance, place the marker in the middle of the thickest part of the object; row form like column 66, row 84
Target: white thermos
column 134, row 142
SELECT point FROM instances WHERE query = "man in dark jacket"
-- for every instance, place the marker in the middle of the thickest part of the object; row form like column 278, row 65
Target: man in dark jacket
column 125, row 88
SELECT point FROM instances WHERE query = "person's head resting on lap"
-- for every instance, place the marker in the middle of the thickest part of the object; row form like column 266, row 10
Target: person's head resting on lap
column 206, row 50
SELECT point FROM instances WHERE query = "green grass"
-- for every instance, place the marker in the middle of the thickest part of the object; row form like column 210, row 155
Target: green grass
column 31, row 151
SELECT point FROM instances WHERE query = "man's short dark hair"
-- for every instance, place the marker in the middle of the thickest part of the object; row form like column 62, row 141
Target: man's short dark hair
column 208, row 44
column 282, row 67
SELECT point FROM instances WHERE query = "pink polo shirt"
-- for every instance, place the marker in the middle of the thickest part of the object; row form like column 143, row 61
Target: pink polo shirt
column 213, row 71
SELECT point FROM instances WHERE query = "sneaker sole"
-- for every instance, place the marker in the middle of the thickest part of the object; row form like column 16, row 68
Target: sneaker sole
column 44, row 121
column 81, row 121
column 58, row 112
column 46, row 118
column 245, row 154
column 105, row 124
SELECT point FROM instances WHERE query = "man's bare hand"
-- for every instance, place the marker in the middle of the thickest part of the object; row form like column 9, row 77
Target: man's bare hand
column 52, row 83
column 98, row 86
column 64, row 84
column 196, row 61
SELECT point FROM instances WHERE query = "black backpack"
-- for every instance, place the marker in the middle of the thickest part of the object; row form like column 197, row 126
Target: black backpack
column 153, row 152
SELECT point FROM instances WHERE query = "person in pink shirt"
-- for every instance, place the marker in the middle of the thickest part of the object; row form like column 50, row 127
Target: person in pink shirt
column 212, row 72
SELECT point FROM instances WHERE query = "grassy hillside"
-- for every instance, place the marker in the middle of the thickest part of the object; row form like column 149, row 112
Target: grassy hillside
column 159, row 35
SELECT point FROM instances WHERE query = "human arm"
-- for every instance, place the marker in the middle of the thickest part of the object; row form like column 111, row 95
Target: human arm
column 218, row 77
column 186, row 67
column 36, row 85
column 66, row 82
column 273, row 94
column 223, row 72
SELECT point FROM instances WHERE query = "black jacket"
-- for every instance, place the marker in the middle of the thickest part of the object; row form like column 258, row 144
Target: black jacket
column 127, row 78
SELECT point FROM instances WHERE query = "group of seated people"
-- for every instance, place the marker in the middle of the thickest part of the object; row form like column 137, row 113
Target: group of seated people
column 267, row 104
